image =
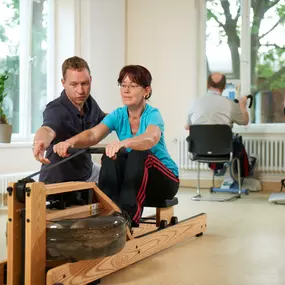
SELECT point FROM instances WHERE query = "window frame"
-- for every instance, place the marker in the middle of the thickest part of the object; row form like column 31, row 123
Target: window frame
column 245, row 74
column 25, row 67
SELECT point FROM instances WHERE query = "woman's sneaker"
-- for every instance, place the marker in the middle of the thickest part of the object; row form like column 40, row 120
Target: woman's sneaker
column 129, row 222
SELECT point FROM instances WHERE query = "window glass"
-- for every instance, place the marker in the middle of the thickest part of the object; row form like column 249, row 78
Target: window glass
column 267, row 52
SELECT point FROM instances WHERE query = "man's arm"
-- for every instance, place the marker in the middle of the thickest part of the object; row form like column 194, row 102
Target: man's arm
column 243, row 108
column 43, row 138
column 239, row 113
column 84, row 139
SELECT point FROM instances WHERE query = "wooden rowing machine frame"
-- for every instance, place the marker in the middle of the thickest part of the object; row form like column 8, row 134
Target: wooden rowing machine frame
column 30, row 268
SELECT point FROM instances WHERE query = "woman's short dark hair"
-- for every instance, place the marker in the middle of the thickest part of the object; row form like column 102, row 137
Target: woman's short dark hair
column 137, row 74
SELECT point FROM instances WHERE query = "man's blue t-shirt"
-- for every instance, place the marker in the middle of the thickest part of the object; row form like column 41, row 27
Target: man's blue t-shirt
column 118, row 121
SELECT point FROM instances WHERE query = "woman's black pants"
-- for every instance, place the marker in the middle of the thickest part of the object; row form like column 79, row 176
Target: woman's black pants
column 135, row 176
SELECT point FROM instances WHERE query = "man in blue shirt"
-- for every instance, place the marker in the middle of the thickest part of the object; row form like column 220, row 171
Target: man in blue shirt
column 73, row 112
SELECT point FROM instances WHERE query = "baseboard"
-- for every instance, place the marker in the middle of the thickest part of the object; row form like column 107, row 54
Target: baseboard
column 267, row 186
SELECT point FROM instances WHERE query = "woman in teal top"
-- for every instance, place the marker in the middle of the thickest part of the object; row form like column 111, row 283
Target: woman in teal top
column 144, row 170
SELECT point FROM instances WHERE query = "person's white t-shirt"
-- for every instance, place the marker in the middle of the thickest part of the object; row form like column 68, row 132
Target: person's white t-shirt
column 213, row 109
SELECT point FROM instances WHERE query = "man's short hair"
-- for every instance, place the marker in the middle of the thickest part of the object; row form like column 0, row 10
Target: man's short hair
column 75, row 63
column 221, row 84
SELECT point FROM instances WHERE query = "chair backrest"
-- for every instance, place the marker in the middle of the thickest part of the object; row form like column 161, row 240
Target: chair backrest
column 210, row 140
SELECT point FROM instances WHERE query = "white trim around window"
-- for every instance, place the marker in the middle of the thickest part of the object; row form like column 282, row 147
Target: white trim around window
column 51, row 33
column 25, row 70
column 201, row 46
column 25, row 67
column 245, row 74
column 260, row 129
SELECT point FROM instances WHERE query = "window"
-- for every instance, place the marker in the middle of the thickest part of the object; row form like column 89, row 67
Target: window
column 222, row 41
column 245, row 39
column 23, row 51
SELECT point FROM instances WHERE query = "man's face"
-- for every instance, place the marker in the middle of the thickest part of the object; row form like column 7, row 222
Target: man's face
column 77, row 85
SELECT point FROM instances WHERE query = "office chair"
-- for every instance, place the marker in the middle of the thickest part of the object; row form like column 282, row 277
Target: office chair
column 213, row 144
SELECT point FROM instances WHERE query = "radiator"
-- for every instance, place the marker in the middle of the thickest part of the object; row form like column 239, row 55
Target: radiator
column 4, row 180
column 270, row 154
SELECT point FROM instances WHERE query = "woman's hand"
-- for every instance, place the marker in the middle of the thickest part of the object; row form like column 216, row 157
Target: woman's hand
column 61, row 148
column 113, row 148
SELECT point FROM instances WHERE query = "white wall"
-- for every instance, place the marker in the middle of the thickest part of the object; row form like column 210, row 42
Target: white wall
column 66, row 32
column 104, row 47
column 17, row 158
column 162, row 35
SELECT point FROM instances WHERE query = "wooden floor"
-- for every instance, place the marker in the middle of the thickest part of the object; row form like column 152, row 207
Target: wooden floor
column 244, row 245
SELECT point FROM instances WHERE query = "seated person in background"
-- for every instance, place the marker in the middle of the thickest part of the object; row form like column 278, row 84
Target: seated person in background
column 145, row 170
column 73, row 112
column 213, row 108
